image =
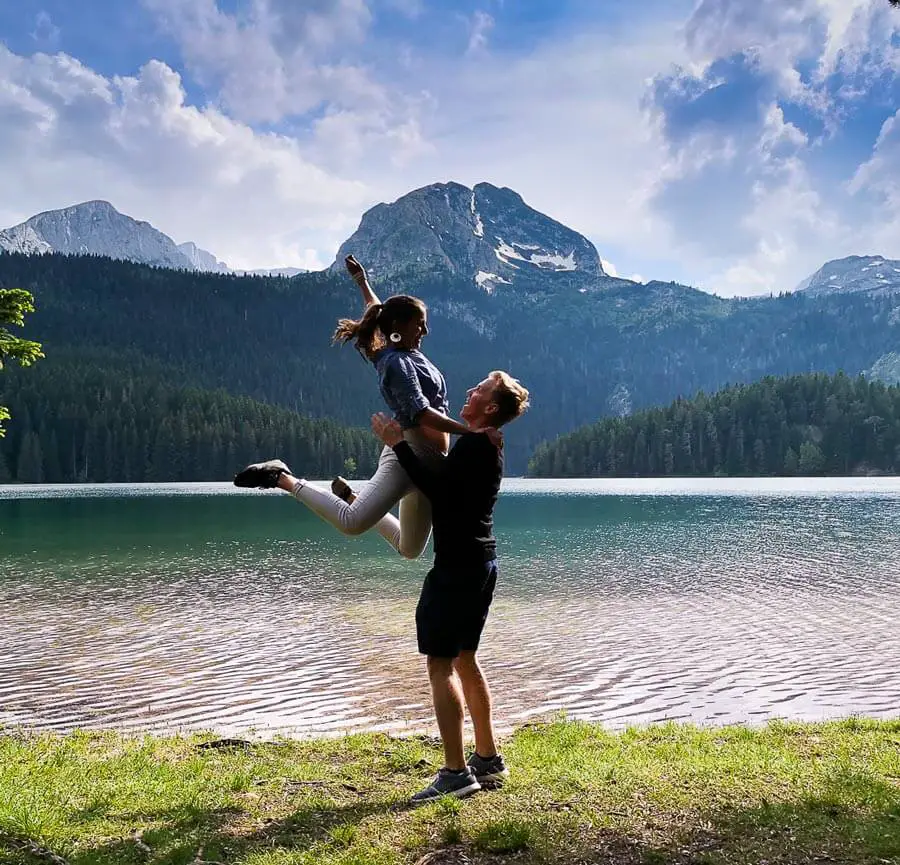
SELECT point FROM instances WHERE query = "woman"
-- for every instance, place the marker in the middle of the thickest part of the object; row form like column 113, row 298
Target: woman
column 389, row 335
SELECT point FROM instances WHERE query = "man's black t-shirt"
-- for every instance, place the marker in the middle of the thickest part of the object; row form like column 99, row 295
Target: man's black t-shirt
column 463, row 493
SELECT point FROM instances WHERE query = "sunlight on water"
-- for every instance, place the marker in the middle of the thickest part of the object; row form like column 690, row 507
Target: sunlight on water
column 199, row 606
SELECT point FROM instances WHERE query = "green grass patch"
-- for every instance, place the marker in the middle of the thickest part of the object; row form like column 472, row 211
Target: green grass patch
column 804, row 793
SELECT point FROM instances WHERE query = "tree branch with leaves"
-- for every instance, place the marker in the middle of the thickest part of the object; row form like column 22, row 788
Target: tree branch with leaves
column 14, row 304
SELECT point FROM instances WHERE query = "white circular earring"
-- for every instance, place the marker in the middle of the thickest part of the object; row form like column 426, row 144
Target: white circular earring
column 395, row 337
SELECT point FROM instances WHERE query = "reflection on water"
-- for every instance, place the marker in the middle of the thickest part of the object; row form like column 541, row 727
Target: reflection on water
column 195, row 607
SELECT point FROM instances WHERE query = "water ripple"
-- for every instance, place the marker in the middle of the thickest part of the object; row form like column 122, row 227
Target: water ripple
column 244, row 613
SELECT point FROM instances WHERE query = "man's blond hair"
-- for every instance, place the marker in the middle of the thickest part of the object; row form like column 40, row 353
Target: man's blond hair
column 509, row 395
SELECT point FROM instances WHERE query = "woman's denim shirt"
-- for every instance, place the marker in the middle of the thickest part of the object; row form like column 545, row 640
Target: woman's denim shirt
column 410, row 383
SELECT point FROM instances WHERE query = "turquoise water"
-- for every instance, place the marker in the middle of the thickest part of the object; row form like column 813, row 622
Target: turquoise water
column 201, row 606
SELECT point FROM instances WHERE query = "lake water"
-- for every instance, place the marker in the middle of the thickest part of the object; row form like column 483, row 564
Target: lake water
column 204, row 607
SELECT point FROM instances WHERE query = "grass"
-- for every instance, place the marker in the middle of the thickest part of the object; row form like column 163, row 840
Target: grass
column 798, row 793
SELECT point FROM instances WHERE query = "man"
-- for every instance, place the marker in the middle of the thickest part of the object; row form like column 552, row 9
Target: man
column 458, row 590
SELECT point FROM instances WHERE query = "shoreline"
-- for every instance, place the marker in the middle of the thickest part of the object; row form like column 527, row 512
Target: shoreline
column 741, row 487
column 427, row 731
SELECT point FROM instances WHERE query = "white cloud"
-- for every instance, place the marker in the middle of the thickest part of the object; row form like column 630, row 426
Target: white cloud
column 880, row 172
column 276, row 60
column 879, row 179
column 608, row 267
column 780, row 30
column 479, row 29
column 859, row 36
column 68, row 134
column 754, row 206
column 45, row 34
column 786, row 212
column 273, row 59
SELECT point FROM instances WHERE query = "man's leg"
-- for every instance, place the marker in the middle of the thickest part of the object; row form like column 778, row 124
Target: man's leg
column 478, row 701
column 447, row 696
column 436, row 619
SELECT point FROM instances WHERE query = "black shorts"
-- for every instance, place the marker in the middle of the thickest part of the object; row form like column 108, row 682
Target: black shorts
column 453, row 608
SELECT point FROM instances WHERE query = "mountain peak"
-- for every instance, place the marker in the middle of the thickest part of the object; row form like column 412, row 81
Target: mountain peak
column 855, row 273
column 200, row 259
column 95, row 204
column 94, row 228
column 486, row 235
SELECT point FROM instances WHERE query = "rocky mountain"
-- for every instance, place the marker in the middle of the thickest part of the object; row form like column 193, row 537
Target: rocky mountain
column 94, row 228
column 886, row 368
column 486, row 236
column 287, row 272
column 857, row 273
column 200, row 259
column 97, row 228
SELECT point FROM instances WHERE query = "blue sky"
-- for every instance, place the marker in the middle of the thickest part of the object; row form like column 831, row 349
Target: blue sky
column 731, row 144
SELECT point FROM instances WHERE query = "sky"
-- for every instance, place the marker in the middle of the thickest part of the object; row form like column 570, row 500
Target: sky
column 734, row 145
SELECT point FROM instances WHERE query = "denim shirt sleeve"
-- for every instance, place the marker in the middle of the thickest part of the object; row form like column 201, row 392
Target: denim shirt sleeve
column 401, row 380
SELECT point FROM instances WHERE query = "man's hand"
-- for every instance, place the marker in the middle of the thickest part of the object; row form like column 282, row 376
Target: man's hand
column 386, row 429
column 355, row 269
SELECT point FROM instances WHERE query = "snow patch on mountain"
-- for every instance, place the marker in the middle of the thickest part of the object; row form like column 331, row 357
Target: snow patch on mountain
column 505, row 252
column 550, row 261
column 556, row 261
column 488, row 281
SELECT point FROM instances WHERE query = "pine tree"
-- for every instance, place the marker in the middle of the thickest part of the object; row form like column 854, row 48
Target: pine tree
column 791, row 462
column 14, row 304
column 30, row 468
column 812, row 460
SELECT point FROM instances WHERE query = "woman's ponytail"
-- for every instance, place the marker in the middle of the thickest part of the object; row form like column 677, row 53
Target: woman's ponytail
column 365, row 332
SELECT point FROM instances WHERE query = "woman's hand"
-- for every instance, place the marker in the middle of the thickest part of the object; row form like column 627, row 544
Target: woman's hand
column 355, row 269
column 495, row 435
column 386, row 429
column 358, row 272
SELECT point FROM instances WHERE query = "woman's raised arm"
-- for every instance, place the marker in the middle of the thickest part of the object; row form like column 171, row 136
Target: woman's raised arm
column 358, row 272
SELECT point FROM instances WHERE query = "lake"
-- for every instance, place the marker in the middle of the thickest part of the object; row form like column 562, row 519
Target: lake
column 199, row 606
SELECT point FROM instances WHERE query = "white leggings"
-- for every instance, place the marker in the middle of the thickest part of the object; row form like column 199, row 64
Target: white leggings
column 389, row 485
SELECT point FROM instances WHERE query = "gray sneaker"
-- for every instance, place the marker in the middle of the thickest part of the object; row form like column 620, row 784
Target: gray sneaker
column 489, row 773
column 447, row 783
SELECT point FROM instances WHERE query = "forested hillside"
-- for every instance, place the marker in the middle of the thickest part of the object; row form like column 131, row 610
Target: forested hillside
column 802, row 425
column 611, row 350
column 102, row 417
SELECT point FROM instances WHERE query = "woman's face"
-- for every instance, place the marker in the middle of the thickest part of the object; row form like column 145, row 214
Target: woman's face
column 413, row 331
